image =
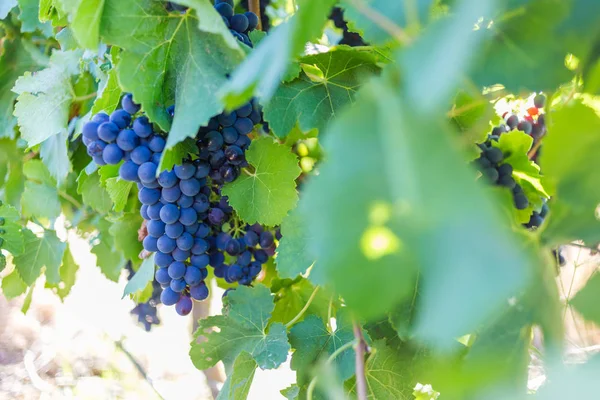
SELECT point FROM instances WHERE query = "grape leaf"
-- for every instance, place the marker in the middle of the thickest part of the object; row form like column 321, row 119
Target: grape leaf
column 291, row 393
column 314, row 102
column 166, row 60
column 46, row 251
column 269, row 193
column 388, row 374
column 11, row 164
column 571, row 166
column 312, row 341
column 109, row 260
column 176, row 154
column 369, row 248
column 68, row 271
column 94, row 195
column 125, row 232
column 242, row 327
column 13, row 286
column 140, row 279
column 406, row 16
column 14, row 61
column 55, row 154
column 109, row 94
column 586, row 300
column 6, row 6
column 12, row 236
column 290, row 299
column 39, row 185
column 45, row 97
column 30, row 22
column 513, row 43
column 266, row 66
column 238, row 382
column 85, row 22
column 293, row 256
column 118, row 190
column 28, row 298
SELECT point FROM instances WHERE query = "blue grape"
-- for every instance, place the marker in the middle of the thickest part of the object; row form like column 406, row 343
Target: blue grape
column 140, row 155
column 200, row 246
column 266, row 239
column 244, row 110
column 121, row 118
column 156, row 158
column 166, row 244
column 163, row 260
column 152, row 184
column 180, row 255
column 162, row 276
column 261, row 256
column 255, row 269
column 171, row 194
column 177, row 270
column 243, row 142
column 90, row 130
column 227, row 119
column 200, row 261
column 156, row 228
column 128, row 104
column 226, row 21
column 252, row 20
column 256, row 228
column 177, row 285
column 234, row 273
column 244, row 126
column 217, row 159
column 222, row 240
column 244, row 259
column 129, row 171
column 174, row 230
column 216, row 216
column 234, row 154
column 202, row 170
column 127, row 140
column 199, row 292
column 184, row 306
column 239, row 23
column 214, row 140
column 230, row 135
column 86, row 141
column 148, row 196
column 251, row 238
column 95, row 148
column 193, row 276
column 201, row 203
column 167, row 179
column 190, row 187
column 188, row 216
column 144, row 212
column 229, row 173
column 157, row 144
column 108, row 131
column 185, row 241
column 101, row 118
column 150, row 244
column 147, row 172
column 255, row 117
column 224, row 9
column 142, row 127
column 217, row 260
column 185, row 171
column 98, row 160
column 185, row 202
column 246, row 280
column 154, row 211
column 230, row 2
column 233, row 247
column 203, row 231
column 192, row 229
column 168, row 297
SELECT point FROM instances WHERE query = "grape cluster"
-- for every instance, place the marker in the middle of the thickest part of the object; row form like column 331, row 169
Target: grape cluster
column 146, row 312
column 264, row 18
column 490, row 164
column 349, row 38
column 240, row 25
column 533, row 124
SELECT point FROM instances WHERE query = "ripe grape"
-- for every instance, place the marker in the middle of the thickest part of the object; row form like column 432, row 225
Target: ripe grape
column 162, row 276
column 121, row 118
column 108, row 131
column 157, row 144
column 244, row 126
column 166, row 244
column 539, row 101
column 156, row 228
column 185, row 171
column 128, row 104
column 163, row 260
column 225, row 10
column 177, row 285
column 90, row 130
column 252, row 20
column 193, row 276
column 150, row 243
column 147, row 172
column 201, row 260
column 127, row 140
column 140, row 155
column 149, row 196
column 190, row 187
column 171, row 194
column 174, row 230
column 154, row 211
column 188, row 216
column 185, row 241
column 266, row 239
column 142, row 127
column 200, row 246
column 239, row 23
column 199, row 292
column 168, row 297
column 167, row 179
column 101, row 118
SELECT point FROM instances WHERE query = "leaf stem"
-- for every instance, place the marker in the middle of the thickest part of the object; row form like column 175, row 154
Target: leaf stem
column 361, row 349
column 301, row 313
column 70, row 199
column 139, row 367
column 81, row 99
column 313, row 382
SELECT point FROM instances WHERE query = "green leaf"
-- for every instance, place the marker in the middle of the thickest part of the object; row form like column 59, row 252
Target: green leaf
column 13, row 286
column 404, row 14
column 28, row 298
column 6, row 6
column 109, row 260
column 176, row 154
column 14, row 61
column 12, row 236
column 293, row 256
column 141, row 278
column 312, row 341
column 586, row 300
column 109, row 94
column 368, row 249
column 46, row 251
column 513, row 43
column 291, row 299
column 45, row 98
column 118, row 191
column 291, row 393
column 266, row 66
column 39, row 184
column 85, row 22
column 238, row 382
column 30, row 22
column 166, row 60
column 11, row 163
column 68, row 271
column 242, row 327
column 55, row 154
column 571, row 167
column 94, row 195
column 314, row 102
column 269, row 193
column 125, row 232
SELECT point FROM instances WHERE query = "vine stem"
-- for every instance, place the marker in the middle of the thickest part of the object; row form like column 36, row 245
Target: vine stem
column 301, row 313
column 313, row 382
column 139, row 368
column 254, row 6
column 70, row 199
column 361, row 349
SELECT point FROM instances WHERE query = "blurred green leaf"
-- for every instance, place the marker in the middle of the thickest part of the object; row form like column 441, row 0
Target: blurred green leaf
column 238, row 382
column 125, row 232
column 46, row 251
column 118, row 190
column 291, row 299
column 6, row 6
column 12, row 236
column 29, row 18
column 39, row 185
column 141, row 278
column 13, row 286
column 94, row 195
column 68, row 271
column 586, row 300
column 109, row 260
column 293, row 257
column 109, row 94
